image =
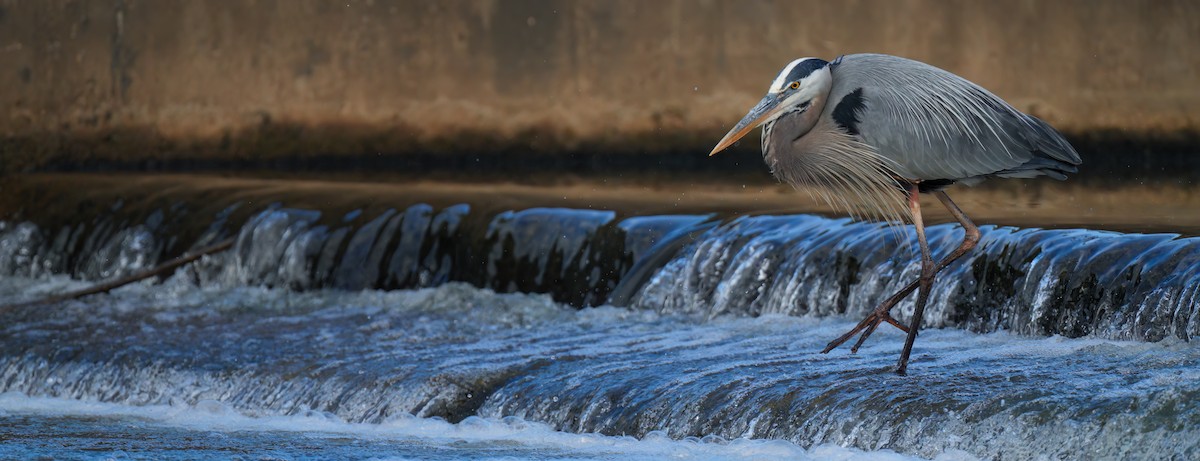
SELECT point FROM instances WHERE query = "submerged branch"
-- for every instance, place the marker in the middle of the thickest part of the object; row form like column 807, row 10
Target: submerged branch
column 161, row 269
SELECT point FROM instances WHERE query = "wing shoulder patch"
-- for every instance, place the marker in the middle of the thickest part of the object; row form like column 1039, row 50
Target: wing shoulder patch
column 845, row 113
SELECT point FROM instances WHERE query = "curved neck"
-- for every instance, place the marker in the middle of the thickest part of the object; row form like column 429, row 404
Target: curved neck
column 780, row 136
column 793, row 125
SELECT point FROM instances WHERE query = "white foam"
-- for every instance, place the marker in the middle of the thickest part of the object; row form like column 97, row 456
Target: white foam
column 18, row 289
column 534, row 437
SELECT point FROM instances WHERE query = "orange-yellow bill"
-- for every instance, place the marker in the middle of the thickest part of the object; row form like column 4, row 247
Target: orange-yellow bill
column 763, row 111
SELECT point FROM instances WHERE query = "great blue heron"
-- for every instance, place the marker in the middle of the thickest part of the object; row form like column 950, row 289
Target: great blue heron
column 871, row 131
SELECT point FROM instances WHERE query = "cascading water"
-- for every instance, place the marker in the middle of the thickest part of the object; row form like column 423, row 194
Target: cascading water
column 367, row 319
column 1030, row 281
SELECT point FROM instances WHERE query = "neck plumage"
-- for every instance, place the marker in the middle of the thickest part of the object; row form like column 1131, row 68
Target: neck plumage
column 817, row 156
column 779, row 134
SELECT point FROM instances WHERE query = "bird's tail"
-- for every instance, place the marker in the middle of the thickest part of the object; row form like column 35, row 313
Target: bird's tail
column 1053, row 155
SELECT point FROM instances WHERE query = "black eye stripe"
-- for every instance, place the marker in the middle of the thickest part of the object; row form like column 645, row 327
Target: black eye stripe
column 808, row 66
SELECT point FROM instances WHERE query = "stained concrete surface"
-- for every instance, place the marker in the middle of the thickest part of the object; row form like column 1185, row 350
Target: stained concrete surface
column 111, row 80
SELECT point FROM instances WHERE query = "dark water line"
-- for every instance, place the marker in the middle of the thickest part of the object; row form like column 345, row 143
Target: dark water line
column 1161, row 158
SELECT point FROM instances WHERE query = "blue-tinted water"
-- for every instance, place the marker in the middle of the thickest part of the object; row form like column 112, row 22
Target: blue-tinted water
column 383, row 338
column 34, row 428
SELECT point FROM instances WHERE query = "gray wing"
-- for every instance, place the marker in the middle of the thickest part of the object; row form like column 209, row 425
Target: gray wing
column 938, row 126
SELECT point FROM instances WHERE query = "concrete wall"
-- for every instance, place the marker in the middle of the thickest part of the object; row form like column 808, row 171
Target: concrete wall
column 563, row 70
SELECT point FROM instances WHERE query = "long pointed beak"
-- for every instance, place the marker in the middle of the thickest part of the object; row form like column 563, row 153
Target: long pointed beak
column 761, row 112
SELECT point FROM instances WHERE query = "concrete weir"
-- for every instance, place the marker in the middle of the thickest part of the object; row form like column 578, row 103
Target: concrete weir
column 484, row 229
column 144, row 83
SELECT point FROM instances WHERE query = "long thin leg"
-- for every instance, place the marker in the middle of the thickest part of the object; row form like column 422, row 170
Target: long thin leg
column 970, row 232
column 928, row 272
column 881, row 313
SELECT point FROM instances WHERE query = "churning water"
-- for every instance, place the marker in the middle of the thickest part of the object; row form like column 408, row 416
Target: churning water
column 446, row 334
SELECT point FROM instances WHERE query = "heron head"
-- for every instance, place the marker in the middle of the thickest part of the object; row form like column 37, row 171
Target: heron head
column 793, row 90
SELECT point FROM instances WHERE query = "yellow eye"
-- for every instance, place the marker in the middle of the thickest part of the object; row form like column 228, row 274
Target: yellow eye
column 794, row 85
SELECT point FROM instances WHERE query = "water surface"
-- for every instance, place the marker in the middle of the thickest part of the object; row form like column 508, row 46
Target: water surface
column 451, row 330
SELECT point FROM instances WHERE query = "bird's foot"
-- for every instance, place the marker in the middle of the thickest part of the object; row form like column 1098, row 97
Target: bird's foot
column 867, row 326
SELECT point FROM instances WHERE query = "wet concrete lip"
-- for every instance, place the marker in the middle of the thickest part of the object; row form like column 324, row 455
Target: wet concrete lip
column 49, row 198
